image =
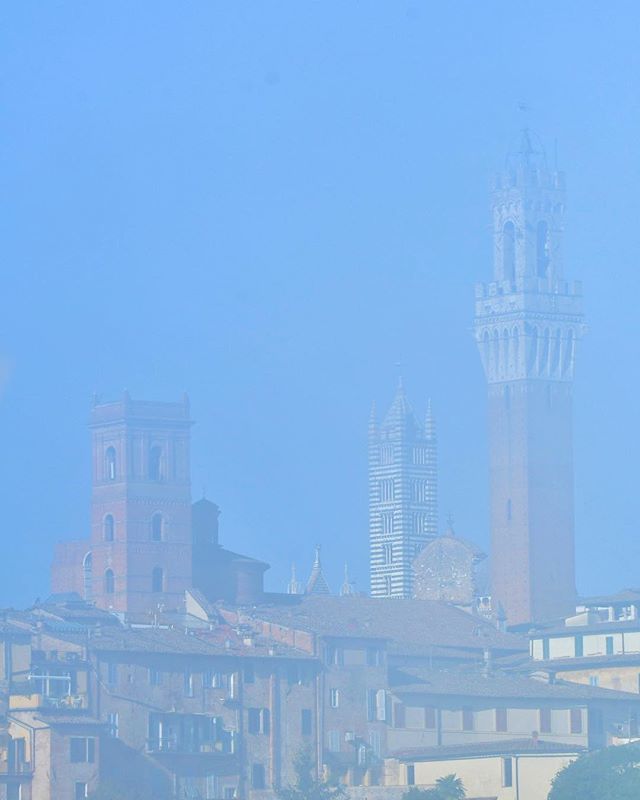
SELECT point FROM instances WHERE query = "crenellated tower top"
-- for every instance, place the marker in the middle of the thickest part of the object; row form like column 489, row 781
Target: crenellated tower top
column 529, row 317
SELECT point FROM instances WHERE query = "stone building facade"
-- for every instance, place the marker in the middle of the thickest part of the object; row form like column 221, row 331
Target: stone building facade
column 528, row 321
column 215, row 703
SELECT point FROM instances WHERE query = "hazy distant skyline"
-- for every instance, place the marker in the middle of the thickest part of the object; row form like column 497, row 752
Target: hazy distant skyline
column 271, row 207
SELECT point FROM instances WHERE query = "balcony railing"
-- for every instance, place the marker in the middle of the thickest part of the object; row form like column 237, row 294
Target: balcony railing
column 68, row 702
column 173, row 745
column 10, row 767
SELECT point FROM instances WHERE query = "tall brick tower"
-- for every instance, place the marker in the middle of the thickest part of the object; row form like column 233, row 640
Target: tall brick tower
column 403, row 495
column 141, row 504
column 528, row 321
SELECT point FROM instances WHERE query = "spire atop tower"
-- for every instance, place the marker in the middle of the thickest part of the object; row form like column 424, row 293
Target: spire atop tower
column 348, row 588
column 373, row 418
column 294, row 586
column 400, row 414
column 429, row 422
column 317, row 583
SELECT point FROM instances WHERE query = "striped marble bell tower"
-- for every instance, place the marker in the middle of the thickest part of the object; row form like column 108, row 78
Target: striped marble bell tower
column 403, row 495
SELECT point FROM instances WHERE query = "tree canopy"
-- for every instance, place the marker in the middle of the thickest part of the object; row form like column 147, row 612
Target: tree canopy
column 448, row 787
column 609, row 774
column 307, row 786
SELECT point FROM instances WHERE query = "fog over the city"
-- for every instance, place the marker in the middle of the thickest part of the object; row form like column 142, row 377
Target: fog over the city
column 280, row 208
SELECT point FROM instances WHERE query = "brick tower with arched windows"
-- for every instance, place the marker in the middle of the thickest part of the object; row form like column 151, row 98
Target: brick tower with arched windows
column 140, row 505
column 528, row 321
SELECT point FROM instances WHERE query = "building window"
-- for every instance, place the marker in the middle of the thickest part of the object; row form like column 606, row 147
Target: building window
column 545, row 649
column 542, row 249
column 507, row 772
column 386, row 454
column 87, row 576
column 545, row 720
column 374, row 743
column 258, row 720
column 575, row 720
column 110, row 463
column 501, row 720
column 374, row 657
column 387, row 522
column 594, row 680
column 109, row 582
column 81, row 791
column 112, row 722
column 430, row 718
column 14, row 791
column 156, row 528
column 157, row 579
column 387, row 553
column 248, row 672
column 509, row 251
column 155, row 463
column 212, row 787
column 333, row 741
column 188, row 683
column 387, row 586
column 335, row 656
column 579, row 646
column 112, row 673
column 155, row 677
column 83, row 749
column 399, row 716
column 386, row 490
column 411, row 775
column 376, row 705
column 609, row 645
column 334, row 698
column 306, row 722
column 420, row 491
column 257, row 776
column 468, row 719
column 109, row 527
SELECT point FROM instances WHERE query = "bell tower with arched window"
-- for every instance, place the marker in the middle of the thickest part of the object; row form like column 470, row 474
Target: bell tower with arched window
column 141, row 504
column 528, row 321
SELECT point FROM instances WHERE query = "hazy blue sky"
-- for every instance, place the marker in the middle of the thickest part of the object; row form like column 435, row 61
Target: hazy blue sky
column 270, row 205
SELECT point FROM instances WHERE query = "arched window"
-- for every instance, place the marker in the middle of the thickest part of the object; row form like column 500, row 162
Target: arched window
column 509, row 251
column 155, row 463
column 109, row 582
column 109, row 528
column 110, row 463
column 87, row 576
column 542, row 249
column 157, row 579
column 156, row 528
